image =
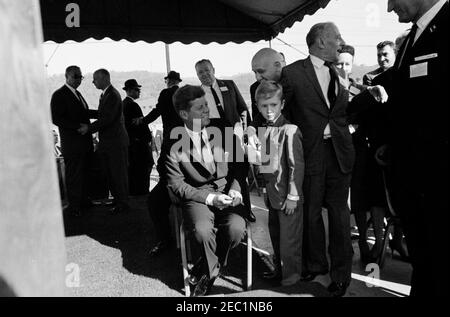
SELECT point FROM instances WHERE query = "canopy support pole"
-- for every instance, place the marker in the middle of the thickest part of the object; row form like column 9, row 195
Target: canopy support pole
column 168, row 58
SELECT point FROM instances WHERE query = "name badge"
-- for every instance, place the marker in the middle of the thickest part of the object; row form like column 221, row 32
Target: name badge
column 354, row 90
column 223, row 88
column 418, row 70
column 429, row 56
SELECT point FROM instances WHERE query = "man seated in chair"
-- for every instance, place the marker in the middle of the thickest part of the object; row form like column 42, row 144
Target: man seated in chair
column 205, row 177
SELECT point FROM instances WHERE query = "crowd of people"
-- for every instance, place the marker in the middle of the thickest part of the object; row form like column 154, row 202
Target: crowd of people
column 315, row 133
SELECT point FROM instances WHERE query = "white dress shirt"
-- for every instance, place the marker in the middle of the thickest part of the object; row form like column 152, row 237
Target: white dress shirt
column 425, row 19
column 213, row 112
column 206, row 156
column 324, row 77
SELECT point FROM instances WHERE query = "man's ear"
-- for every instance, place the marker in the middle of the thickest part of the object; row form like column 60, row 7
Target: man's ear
column 321, row 42
column 184, row 115
column 282, row 104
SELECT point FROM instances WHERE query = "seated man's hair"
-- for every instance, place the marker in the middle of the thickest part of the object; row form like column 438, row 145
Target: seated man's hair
column 268, row 89
column 184, row 95
column 348, row 49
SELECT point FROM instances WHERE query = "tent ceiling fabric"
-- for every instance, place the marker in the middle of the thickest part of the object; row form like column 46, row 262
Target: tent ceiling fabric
column 169, row 21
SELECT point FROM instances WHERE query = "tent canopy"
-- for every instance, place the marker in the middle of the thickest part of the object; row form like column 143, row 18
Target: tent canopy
column 186, row 21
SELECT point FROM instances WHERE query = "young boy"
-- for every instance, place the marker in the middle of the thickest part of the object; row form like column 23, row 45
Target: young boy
column 283, row 173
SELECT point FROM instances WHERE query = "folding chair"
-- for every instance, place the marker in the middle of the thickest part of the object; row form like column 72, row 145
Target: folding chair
column 391, row 222
column 254, row 181
column 183, row 244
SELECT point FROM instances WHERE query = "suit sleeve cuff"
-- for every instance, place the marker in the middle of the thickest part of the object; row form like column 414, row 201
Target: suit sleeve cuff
column 210, row 199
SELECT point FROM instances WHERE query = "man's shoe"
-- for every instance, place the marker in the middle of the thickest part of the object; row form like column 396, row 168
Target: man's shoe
column 159, row 248
column 272, row 276
column 338, row 289
column 120, row 209
column 251, row 216
column 203, row 287
column 308, row 277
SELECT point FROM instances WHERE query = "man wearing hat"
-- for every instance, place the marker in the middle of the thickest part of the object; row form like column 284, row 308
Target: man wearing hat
column 140, row 157
column 158, row 200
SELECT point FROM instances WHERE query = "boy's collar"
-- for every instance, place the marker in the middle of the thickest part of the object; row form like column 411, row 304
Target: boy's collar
column 279, row 121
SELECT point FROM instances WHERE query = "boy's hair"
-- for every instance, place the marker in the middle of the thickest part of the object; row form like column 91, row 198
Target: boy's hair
column 268, row 89
column 348, row 49
column 184, row 95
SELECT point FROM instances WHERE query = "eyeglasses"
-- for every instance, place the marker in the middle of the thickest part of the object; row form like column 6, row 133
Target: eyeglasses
column 78, row 77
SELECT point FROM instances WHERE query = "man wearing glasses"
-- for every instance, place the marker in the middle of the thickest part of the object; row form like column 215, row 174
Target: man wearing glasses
column 69, row 111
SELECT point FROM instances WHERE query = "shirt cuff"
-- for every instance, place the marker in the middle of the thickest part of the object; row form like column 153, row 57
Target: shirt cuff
column 210, row 199
column 238, row 194
column 293, row 198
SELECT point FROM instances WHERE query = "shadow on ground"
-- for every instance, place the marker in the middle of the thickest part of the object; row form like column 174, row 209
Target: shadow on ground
column 132, row 234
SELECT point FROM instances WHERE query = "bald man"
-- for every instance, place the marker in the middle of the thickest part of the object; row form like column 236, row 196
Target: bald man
column 113, row 145
column 267, row 64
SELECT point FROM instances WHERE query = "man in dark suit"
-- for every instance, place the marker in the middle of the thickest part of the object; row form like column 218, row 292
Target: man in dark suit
column 224, row 99
column 113, row 139
column 418, row 141
column 159, row 201
column 207, row 182
column 227, row 107
column 267, row 65
column 139, row 152
column 316, row 101
column 69, row 111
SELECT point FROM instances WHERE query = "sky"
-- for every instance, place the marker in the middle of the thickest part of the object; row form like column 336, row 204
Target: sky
column 362, row 23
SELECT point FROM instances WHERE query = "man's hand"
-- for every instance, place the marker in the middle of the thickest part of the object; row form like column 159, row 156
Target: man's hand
column 236, row 196
column 381, row 155
column 84, row 129
column 289, row 207
column 138, row 121
column 253, row 140
column 379, row 93
column 222, row 201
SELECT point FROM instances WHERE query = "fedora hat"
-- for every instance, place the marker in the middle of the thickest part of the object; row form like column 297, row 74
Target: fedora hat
column 131, row 84
column 173, row 75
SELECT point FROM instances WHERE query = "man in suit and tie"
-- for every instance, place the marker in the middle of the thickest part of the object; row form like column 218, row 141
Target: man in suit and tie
column 113, row 139
column 418, row 141
column 316, row 101
column 159, row 200
column 69, row 111
column 207, row 182
column 226, row 108
column 224, row 99
column 139, row 152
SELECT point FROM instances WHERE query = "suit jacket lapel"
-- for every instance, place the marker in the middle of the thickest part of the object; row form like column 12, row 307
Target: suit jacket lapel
column 431, row 28
column 195, row 159
column 311, row 74
column 75, row 98
column 225, row 96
